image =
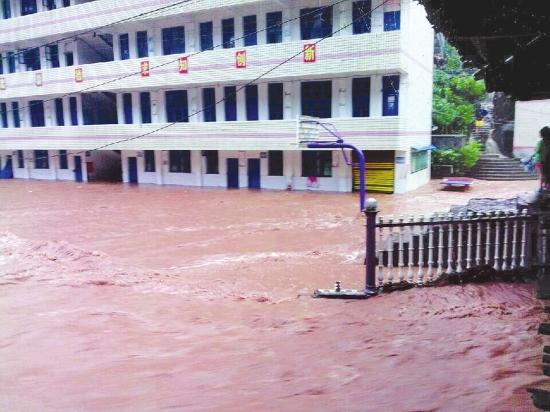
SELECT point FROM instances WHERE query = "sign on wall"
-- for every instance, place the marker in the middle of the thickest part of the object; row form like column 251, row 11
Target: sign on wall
column 145, row 68
column 78, row 75
column 38, row 79
column 183, row 65
column 240, row 59
column 310, row 53
column 2, row 83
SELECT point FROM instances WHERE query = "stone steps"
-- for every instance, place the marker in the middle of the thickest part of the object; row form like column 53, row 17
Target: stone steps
column 496, row 167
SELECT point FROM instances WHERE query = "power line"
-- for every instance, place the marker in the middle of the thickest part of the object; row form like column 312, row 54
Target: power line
column 175, row 60
column 225, row 98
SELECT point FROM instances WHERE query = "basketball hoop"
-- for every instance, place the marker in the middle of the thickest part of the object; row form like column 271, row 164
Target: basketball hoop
column 307, row 130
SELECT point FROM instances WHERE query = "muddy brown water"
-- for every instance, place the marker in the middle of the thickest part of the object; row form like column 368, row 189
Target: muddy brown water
column 119, row 298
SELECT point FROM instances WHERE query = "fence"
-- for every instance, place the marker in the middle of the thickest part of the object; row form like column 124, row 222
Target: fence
column 418, row 250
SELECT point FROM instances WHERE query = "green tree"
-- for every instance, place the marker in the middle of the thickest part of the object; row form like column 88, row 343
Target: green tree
column 455, row 94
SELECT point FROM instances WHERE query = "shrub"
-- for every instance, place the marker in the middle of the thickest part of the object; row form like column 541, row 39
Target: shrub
column 462, row 159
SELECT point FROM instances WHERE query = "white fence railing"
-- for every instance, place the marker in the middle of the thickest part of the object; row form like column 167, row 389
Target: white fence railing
column 419, row 250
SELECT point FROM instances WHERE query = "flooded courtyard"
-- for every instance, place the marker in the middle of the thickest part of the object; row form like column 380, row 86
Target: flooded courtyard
column 145, row 298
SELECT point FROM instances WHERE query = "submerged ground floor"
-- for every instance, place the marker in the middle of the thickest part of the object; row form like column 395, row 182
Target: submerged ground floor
column 324, row 170
column 126, row 298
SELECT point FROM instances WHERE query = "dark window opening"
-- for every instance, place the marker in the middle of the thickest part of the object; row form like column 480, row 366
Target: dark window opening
column 250, row 30
column 41, row 160
column 275, row 101
column 4, row 115
column 390, row 95
column 124, row 44
column 1, row 64
column 100, row 108
column 52, row 54
column 6, row 9
column 11, row 62
column 316, row 23
column 230, row 103
column 212, row 162
column 20, row 159
column 73, row 108
column 37, row 113
column 145, row 106
column 31, row 59
column 392, row 20
column 142, row 44
column 209, row 104
column 28, row 7
column 176, row 106
column 361, row 17
column 180, row 161
column 207, row 36
column 66, row 3
column 317, row 99
column 274, row 27
column 251, row 96
column 228, row 33
column 50, row 4
column 69, row 59
column 149, row 156
column 59, row 116
column 173, row 40
column 63, row 162
column 127, row 105
column 316, row 163
column 361, row 97
column 16, row 117
column 275, row 162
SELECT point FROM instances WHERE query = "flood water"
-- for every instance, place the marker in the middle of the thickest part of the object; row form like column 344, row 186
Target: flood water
column 120, row 298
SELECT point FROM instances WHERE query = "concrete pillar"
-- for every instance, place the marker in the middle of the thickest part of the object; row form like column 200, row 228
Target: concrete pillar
column 155, row 107
column 194, row 105
column 290, row 111
column 287, row 27
column 155, row 42
column 136, row 112
column 376, row 96
column 132, row 44
column 197, row 167
column 296, row 99
column 116, row 47
column 220, row 110
column 191, row 44
column 66, row 111
column 119, row 108
column 161, row 106
column 159, row 167
column 288, row 168
column 49, row 113
column 343, row 100
column 377, row 17
column 263, row 102
column 79, row 110
column 241, row 104
column 217, row 33
column 342, row 18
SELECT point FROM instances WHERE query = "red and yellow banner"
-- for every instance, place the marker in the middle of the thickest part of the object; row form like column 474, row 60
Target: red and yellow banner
column 183, row 65
column 240, row 59
column 310, row 53
column 78, row 75
column 145, row 68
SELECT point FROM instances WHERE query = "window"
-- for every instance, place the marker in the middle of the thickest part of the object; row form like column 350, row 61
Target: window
column 127, row 105
column 274, row 27
column 11, row 62
column 73, row 108
column 28, row 7
column 361, row 97
column 392, row 20
column 59, row 118
column 1, row 64
column 15, row 111
column 275, row 97
column 69, row 59
column 145, row 106
column 173, row 40
column 316, row 163
column 6, row 9
column 31, row 58
column 176, row 106
column 149, row 156
column 41, row 160
column 390, row 95
column 419, row 160
column 361, row 16
column 52, row 54
column 180, row 161
column 209, row 104
column 20, row 159
column 230, row 103
column 37, row 113
column 207, row 37
column 50, row 4
column 228, row 33
column 316, row 23
column 66, row 3
column 4, row 115
column 124, row 44
column 63, row 163
column 212, row 162
column 275, row 163
column 250, row 30
column 142, row 44
column 317, row 99
column 251, row 95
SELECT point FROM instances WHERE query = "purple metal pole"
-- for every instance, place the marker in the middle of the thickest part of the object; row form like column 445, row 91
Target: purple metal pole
column 360, row 156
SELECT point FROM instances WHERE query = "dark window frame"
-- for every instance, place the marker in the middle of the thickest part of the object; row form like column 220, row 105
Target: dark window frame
column 314, row 98
column 63, row 160
column 59, row 112
column 16, row 114
column 209, row 104
column 390, row 90
column 274, row 27
column 173, row 40
column 230, row 103
column 316, row 22
column 20, row 159
column 228, row 33
column 392, row 20
column 127, row 106
column 177, row 106
column 360, row 91
column 251, row 102
column 361, row 21
column 149, row 161
column 275, row 163
column 124, row 46
column 4, row 115
column 206, row 33
column 250, row 30
column 275, row 98
column 142, row 44
column 316, row 163
column 37, row 115
column 179, row 161
column 41, row 159
column 73, row 110
column 212, row 158
column 145, row 107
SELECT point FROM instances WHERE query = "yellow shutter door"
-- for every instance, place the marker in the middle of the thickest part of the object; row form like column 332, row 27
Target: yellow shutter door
column 380, row 171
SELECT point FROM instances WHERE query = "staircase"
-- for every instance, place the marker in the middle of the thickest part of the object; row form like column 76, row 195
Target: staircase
column 497, row 167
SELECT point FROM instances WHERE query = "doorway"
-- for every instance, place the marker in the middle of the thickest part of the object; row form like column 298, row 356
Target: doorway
column 232, row 173
column 78, row 169
column 254, row 174
column 132, row 170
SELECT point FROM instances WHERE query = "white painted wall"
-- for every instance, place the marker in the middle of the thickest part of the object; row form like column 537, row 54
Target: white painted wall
column 530, row 117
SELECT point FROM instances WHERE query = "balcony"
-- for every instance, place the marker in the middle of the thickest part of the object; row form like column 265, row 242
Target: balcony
column 87, row 16
column 364, row 54
column 374, row 133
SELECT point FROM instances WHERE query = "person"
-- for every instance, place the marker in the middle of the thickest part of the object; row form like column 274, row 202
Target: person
column 541, row 157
